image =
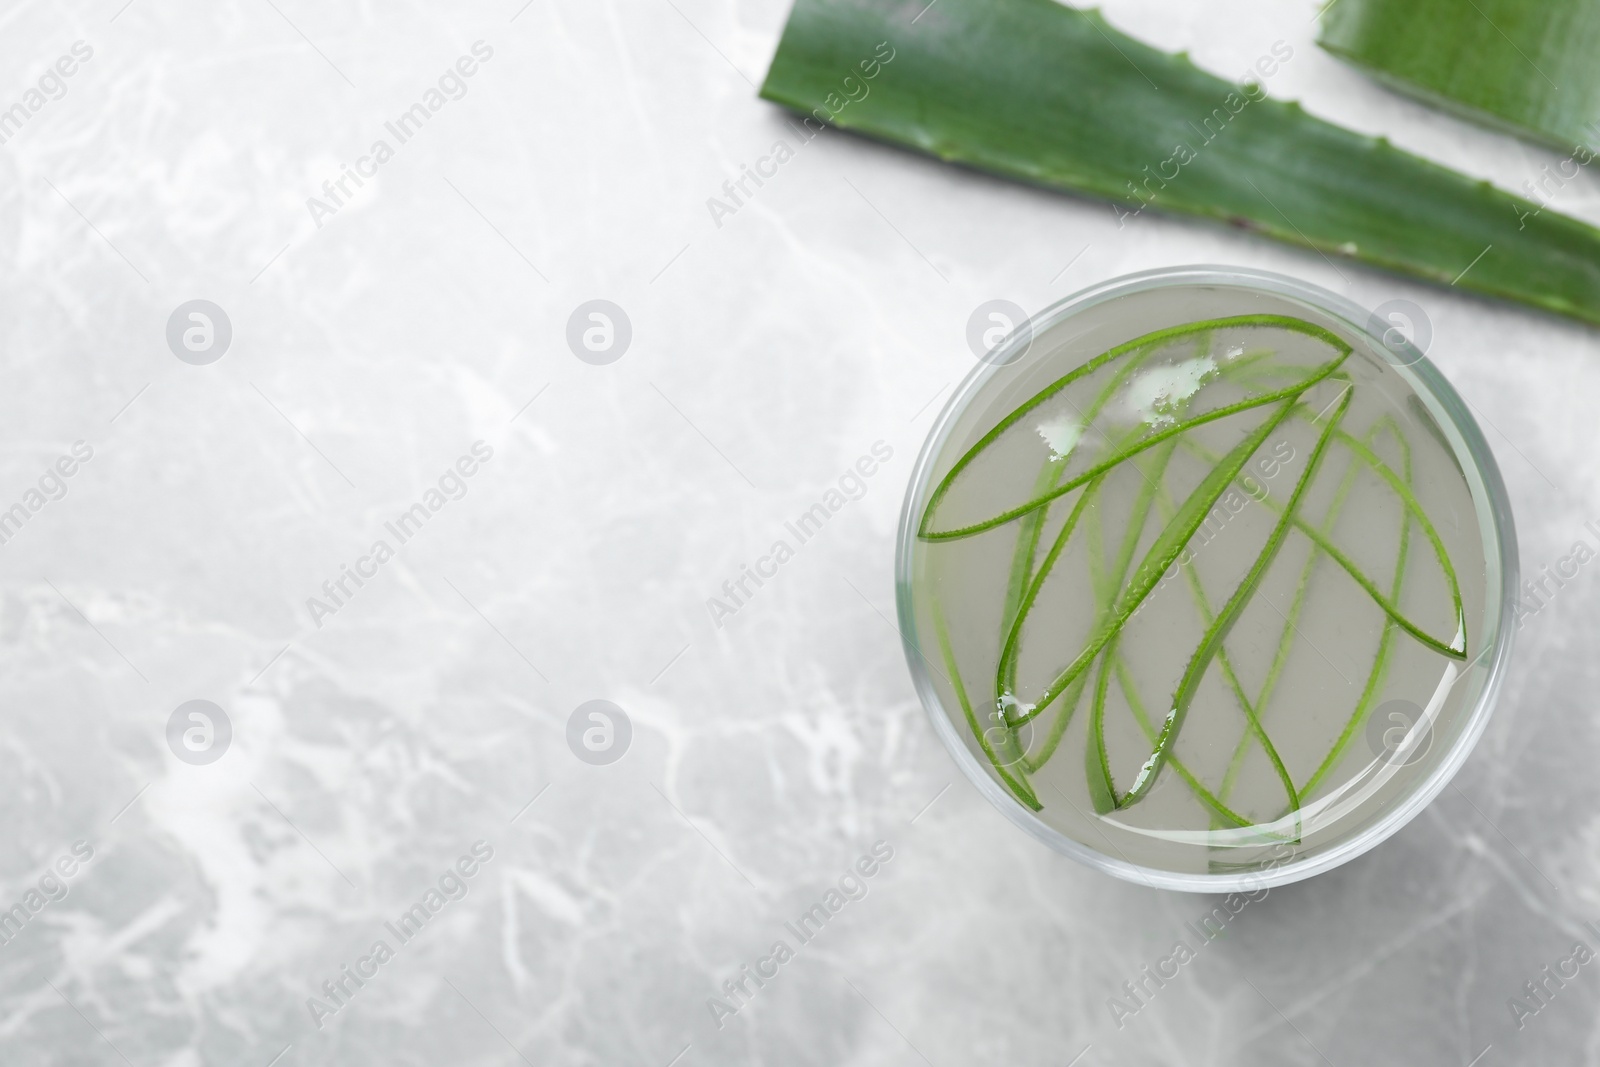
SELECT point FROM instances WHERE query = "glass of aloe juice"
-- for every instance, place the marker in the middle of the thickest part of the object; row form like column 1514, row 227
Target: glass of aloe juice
column 1206, row 579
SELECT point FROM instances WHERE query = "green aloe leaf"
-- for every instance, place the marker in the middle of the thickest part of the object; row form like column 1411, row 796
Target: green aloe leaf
column 1527, row 68
column 1057, row 96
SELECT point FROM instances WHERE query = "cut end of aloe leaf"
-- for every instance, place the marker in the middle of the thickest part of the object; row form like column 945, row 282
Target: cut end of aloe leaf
column 1146, row 777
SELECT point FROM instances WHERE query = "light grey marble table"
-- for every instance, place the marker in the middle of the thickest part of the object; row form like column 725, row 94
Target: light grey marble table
column 370, row 735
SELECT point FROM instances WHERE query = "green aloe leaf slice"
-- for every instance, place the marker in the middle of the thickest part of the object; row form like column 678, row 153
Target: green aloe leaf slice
column 1088, row 435
column 1053, row 95
column 1018, row 786
column 1211, row 644
column 1123, row 479
column 1526, row 68
column 1456, row 646
column 1161, row 554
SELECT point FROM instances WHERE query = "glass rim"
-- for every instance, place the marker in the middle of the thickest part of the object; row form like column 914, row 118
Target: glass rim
column 1499, row 602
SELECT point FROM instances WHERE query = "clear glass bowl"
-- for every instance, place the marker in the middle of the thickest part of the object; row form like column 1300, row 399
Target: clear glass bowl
column 1249, row 290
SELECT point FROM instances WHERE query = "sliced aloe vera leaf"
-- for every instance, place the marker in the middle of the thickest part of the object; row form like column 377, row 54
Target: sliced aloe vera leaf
column 1211, row 643
column 1016, row 784
column 1027, row 548
column 1250, row 710
column 1524, row 68
column 1050, row 474
column 1049, row 94
column 1456, row 646
column 1006, row 668
column 1139, row 346
column 1380, row 665
column 1130, row 693
column 1161, row 554
column 1096, row 758
column 1291, row 621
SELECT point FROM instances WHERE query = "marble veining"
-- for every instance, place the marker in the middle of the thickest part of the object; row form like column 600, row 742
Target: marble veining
column 241, row 751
